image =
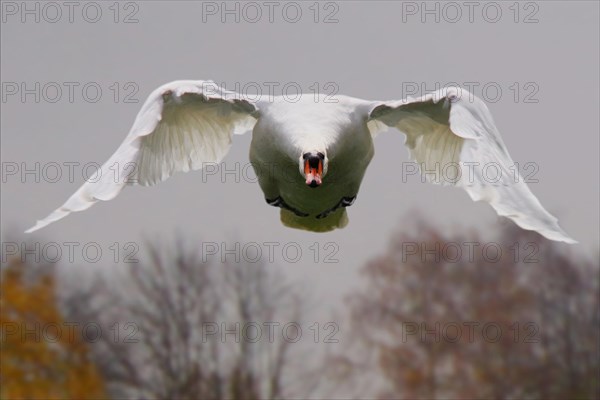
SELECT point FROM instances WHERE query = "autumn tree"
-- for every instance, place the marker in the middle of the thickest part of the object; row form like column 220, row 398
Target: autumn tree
column 43, row 355
column 460, row 316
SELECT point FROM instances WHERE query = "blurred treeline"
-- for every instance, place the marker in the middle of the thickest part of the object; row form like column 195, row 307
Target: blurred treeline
column 424, row 324
column 515, row 318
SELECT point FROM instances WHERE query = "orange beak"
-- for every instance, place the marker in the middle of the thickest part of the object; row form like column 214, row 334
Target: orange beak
column 313, row 175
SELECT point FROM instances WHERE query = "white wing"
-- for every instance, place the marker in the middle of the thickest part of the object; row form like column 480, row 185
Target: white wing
column 452, row 137
column 181, row 126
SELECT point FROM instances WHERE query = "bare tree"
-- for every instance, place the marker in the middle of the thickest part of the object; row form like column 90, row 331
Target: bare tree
column 185, row 328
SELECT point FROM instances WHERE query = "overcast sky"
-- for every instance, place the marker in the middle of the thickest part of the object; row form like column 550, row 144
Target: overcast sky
column 547, row 113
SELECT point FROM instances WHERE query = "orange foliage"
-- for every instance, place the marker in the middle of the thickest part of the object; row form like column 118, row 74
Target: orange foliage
column 42, row 355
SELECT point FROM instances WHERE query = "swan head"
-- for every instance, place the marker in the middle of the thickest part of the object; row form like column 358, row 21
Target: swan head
column 313, row 166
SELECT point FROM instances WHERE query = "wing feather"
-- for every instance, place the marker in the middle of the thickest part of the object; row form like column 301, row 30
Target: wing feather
column 452, row 130
column 182, row 126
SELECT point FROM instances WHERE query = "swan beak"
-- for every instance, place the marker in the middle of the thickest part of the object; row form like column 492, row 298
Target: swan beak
column 313, row 170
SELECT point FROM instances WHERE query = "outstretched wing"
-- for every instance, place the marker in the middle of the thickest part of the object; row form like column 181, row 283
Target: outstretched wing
column 452, row 137
column 181, row 126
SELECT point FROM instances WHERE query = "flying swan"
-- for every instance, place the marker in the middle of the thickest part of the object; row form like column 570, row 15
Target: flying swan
column 310, row 156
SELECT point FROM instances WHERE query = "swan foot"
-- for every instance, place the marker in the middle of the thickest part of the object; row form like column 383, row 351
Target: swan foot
column 344, row 202
column 278, row 202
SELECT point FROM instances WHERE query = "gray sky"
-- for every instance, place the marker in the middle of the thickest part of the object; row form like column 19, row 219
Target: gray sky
column 376, row 50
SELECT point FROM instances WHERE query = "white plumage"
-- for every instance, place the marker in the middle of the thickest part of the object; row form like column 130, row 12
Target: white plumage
column 185, row 124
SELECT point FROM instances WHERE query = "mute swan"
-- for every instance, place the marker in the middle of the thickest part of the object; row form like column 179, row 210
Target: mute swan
column 310, row 156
